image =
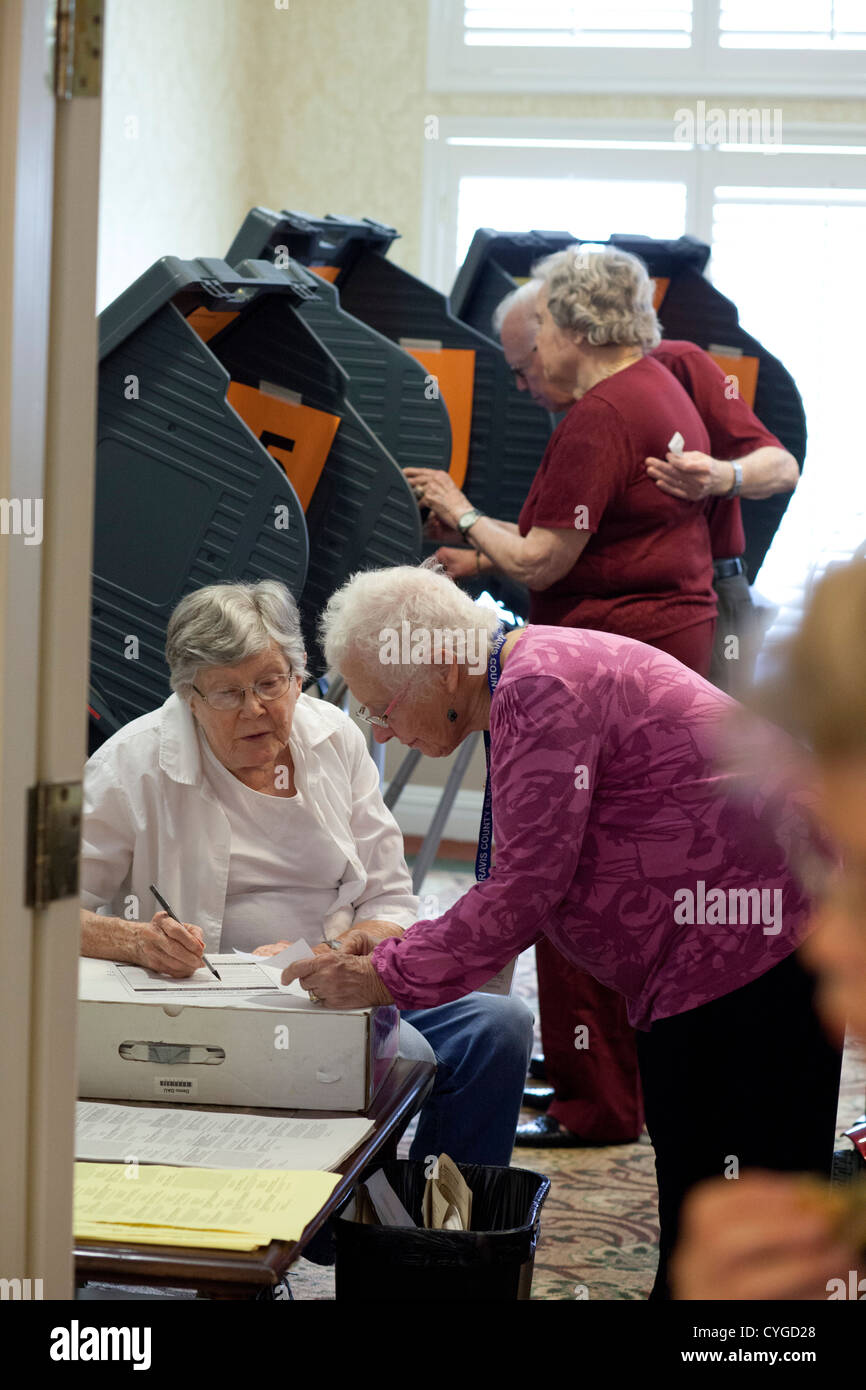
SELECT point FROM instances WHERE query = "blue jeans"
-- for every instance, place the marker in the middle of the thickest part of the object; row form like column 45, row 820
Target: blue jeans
column 482, row 1045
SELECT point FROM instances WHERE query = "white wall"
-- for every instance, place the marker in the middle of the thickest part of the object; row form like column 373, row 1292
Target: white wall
column 179, row 84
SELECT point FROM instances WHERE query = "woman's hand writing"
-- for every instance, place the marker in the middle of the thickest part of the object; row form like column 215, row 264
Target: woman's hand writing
column 169, row 947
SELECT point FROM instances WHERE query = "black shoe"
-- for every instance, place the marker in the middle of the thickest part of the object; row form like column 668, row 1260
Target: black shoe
column 537, row 1069
column 538, row 1099
column 546, row 1133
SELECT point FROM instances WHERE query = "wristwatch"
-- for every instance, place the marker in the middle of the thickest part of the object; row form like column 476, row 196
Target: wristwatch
column 468, row 519
column 738, row 480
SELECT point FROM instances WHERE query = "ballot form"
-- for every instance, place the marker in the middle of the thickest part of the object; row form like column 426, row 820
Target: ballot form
column 213, row 1139
column 239, row 973
column 239, row 976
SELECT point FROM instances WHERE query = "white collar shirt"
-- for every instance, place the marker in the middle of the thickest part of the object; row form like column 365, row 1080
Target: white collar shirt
column 151, row 816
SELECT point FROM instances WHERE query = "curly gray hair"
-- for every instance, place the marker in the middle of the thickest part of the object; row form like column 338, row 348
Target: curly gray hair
column 603, row 294
column 225, row 624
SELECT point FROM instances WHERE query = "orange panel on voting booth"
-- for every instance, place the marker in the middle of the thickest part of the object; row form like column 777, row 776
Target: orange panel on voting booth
column 298, row 436
column 453, row 370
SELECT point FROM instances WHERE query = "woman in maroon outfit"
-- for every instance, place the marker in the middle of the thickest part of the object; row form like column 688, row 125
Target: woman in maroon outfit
column 598, row 544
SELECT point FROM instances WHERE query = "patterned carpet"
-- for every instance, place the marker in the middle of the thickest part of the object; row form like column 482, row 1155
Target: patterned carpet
column 599, row 1228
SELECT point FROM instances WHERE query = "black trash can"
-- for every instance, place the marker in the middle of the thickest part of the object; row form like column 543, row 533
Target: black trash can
column 490, row 1263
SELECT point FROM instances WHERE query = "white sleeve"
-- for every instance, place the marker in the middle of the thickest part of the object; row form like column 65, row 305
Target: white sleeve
column 379, row 843
column 107, row 837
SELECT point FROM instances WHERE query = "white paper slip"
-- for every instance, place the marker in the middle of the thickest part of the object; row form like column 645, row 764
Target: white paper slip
column 675, row 443
column 501, row 982
column 235, row 976
column 296, row 950
column 212, row 1139
column 389, row 1208
column 274, row 967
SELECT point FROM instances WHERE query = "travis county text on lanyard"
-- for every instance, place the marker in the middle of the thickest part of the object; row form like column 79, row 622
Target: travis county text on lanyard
column 485, row 834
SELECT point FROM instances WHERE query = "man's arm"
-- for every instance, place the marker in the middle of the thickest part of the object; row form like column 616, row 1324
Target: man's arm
column 736, row 435
column 766, row 471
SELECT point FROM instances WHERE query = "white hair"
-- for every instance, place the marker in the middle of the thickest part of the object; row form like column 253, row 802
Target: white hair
column 225, row 624
column 522, row 295
column 359, row 618
column 604, row 295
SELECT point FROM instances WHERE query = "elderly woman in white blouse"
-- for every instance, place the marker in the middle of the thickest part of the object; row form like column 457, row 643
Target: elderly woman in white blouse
column 257, row 812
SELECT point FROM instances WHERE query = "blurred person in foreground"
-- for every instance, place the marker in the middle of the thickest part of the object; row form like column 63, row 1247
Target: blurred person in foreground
column 766, row 1236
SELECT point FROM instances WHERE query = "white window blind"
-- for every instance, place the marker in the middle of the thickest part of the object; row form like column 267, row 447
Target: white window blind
column 790, row 24
column 579, row 23
column 693, row 47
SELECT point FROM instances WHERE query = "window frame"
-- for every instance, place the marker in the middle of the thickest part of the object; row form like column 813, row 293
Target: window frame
column 702, row 168
column 706, row 67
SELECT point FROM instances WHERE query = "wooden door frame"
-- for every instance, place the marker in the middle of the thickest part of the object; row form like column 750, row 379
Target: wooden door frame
column 49, row 163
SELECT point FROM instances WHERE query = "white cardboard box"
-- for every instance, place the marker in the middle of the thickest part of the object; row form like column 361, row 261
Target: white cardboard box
column 287, row 1052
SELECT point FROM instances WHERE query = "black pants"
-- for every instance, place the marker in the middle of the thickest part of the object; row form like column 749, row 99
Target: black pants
column 750, row 1077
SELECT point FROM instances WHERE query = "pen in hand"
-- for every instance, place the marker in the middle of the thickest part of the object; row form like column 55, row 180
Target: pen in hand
column 164, row 905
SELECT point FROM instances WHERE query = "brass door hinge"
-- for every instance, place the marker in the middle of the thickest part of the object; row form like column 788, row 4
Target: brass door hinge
column 77, row 42
column 53, row 835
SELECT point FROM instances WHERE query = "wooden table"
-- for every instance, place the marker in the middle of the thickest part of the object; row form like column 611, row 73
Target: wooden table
column 241, row 1274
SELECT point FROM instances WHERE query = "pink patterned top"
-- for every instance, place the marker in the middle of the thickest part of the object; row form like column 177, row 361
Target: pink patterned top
column 613, row 828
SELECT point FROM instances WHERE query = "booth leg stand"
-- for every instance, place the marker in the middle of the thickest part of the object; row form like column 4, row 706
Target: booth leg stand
column 401, row 777
column 377, row 753
column 430, row 845
column 337, row 694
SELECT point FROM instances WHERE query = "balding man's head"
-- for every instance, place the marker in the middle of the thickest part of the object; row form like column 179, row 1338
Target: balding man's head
column 516, row 323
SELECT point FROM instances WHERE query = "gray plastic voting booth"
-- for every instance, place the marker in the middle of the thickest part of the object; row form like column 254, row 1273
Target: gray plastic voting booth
column 217, row 403
column 388, row 387
column 185, row 493
column 506, row 430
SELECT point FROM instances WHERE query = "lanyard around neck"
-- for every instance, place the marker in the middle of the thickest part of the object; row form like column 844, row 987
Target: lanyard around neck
column 485, row 833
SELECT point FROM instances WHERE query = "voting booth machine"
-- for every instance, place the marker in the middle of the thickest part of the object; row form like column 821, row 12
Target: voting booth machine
column 497, row 433
column 228, row 448
column 493, row 428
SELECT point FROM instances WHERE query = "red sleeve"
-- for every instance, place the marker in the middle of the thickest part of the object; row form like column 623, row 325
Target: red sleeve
column 588, row 463
column 732, row 425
